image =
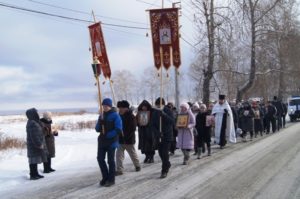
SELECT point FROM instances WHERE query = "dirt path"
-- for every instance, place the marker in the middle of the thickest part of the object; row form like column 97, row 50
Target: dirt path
column 264, row 168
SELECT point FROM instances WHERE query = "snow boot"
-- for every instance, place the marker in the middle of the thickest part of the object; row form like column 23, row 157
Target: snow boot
column 33, row 172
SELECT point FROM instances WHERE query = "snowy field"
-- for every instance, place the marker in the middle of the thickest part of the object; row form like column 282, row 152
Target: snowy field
column 76, row 151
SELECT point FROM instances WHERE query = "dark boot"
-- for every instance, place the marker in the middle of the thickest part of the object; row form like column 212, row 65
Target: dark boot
column 151, row 159
column 32, row 172
column 34, row 175
column 199, row 153
column 208, row 151
column 46, row 167
column 49, row 165
column 146, row 159
column 163, row 175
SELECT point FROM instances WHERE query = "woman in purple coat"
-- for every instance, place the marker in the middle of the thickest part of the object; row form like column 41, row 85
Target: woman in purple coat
column 185, row 136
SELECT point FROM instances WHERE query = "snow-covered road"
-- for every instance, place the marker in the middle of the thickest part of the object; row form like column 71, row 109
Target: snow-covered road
column 264, row 168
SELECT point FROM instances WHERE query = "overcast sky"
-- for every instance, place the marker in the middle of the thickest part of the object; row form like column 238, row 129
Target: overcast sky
column 45, row 61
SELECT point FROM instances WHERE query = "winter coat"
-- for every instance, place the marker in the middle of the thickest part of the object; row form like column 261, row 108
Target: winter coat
column 258, row 119
column 279, row 107
column 49, row 137
column 235, row 117
column 247, row 121
column 148, row 140
column 185, row 138
column 204, row 132
column 112, row 123
column 129, row 127
column 168, row 121
column 36, row 145
column 270, row 112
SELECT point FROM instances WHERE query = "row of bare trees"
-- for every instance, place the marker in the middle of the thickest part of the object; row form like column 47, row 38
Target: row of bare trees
column 137, row 87
column 246, row 48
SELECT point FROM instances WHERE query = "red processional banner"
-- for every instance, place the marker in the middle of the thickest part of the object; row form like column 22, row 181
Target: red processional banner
column 165, row 37
column 99, row 50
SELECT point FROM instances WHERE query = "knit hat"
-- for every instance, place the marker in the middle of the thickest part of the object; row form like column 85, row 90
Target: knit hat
column 107, row 102
column 203, row 106
column 185, row 105
column 47, row 115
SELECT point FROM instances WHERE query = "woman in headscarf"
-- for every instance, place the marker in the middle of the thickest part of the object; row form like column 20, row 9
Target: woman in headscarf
column 185, row 134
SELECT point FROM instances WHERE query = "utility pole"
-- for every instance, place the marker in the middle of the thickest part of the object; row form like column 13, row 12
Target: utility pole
column 176, row 75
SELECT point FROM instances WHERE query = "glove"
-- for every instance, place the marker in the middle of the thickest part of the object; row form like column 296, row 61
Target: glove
column 225, row 110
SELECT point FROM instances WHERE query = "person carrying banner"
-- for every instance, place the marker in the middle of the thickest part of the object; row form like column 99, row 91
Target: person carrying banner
column 110, row 127
column 224, row 127
column 163, row 122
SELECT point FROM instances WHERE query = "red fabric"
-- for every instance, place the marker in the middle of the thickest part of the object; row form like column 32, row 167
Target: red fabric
column 99, row 50
column 165, row 35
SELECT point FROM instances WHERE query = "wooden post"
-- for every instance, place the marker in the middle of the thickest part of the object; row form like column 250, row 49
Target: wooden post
column 161, row 88
column 112, row 91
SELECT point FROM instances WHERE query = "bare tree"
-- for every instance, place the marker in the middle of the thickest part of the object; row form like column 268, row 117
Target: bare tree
column 254, row 13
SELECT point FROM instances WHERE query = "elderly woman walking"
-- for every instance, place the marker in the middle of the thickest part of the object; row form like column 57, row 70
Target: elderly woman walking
column 185, row 140
column 36, row 146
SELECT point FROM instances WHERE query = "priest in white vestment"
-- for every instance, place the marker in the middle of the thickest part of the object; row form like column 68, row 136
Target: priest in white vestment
column 224, row 126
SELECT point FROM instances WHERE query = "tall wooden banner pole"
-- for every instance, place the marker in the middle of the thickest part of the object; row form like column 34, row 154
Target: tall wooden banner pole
column 161, row 89
column 112, row 91
column 99, row 94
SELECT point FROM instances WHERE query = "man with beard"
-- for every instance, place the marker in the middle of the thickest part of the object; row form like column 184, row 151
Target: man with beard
column 224, row 127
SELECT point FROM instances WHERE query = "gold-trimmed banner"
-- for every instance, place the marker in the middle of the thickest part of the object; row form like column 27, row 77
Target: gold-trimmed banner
column 98, row 48
column 165, row 37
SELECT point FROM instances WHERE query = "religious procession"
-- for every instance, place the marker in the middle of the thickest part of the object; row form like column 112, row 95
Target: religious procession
column 192, row 129
column 164, row 128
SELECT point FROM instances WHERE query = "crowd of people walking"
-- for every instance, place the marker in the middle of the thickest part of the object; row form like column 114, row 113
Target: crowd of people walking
column 160, row 128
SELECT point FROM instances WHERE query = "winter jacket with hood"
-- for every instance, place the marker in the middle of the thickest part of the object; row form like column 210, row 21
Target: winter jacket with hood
column 36, row 145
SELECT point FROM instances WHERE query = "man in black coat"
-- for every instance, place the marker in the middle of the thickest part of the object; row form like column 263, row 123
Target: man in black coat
column 163, row 122
column 270, row 117
column 127, row 138
column 280, row 111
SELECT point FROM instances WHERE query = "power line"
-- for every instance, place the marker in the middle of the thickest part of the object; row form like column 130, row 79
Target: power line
column 68, row 18
column 80, row 20
column 83, row 12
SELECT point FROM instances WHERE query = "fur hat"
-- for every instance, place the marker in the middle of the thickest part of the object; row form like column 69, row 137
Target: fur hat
column 123, row 104
column 222, row 97
column 47, row 115
column 107, row 102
